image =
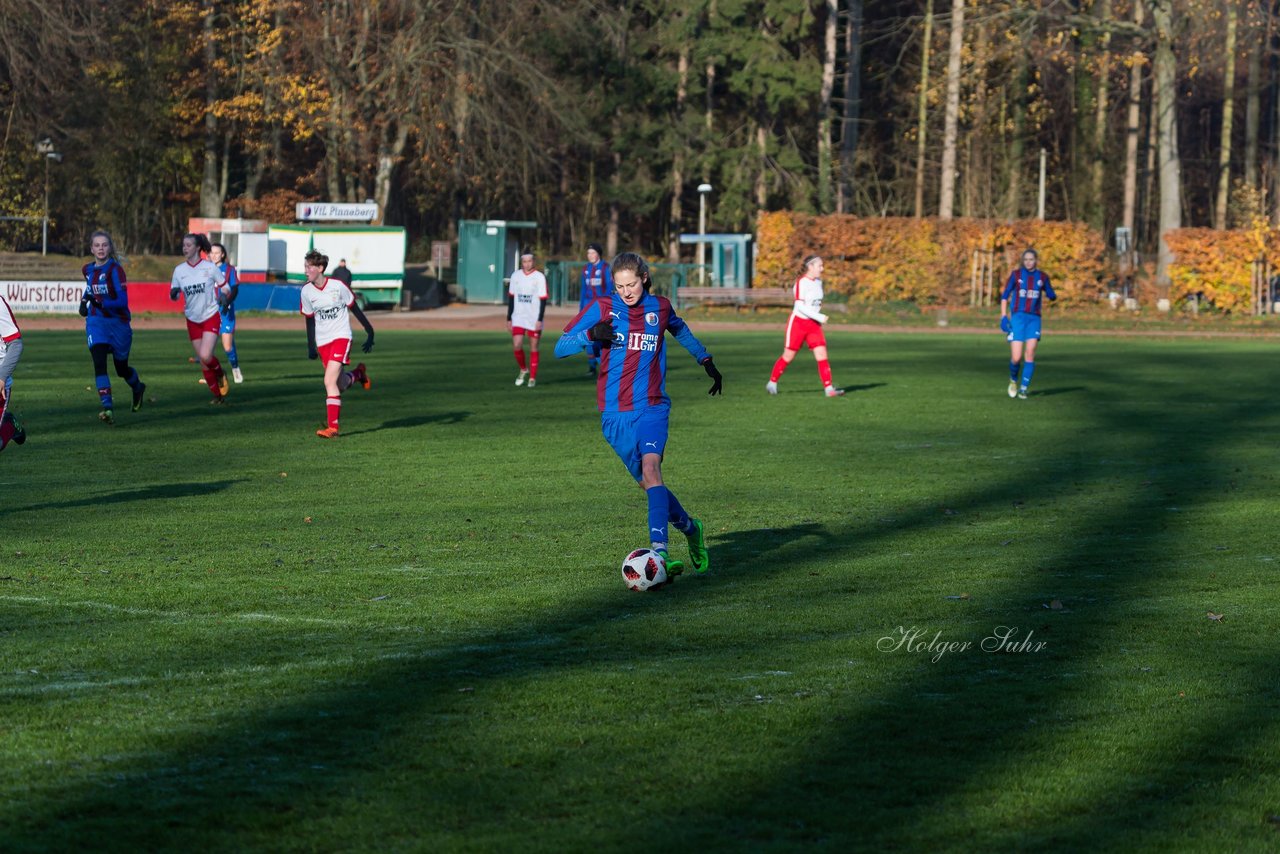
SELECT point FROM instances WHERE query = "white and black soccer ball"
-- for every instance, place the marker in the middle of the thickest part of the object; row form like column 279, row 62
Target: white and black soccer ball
column 644, row 569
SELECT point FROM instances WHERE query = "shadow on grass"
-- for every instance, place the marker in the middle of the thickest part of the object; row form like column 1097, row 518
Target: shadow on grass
column 149, row 493
column 1050, row 392
column 896, row 764
column 415, row 421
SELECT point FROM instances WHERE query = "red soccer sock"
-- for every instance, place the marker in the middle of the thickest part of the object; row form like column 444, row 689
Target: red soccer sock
column 333, row 405
column 778, row 367
column 520, row 359
column 6, row 432
column 824, row 371
column 211, row 380
column 533, row 364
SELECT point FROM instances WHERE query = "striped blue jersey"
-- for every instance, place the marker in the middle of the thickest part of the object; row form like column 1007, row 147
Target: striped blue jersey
column 633, row 371
column 106, row 283
column 1024, row 290
column 597, row 282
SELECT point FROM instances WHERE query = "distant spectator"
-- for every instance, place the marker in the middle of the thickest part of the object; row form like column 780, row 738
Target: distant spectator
column 342, row 273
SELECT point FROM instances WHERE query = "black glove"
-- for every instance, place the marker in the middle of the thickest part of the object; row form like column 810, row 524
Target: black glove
column 84, row 306
column 601, row 333
column 312, row 354
column 368, row 343
column 717, row 380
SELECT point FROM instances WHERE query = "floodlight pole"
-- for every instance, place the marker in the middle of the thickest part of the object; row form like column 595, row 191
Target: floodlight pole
column 703, row 189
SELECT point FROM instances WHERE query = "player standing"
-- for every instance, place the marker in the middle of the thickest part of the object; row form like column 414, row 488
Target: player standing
column 597, row 282
column 1020, row 318
column 204, row 290
column 805, row 327
column 10, row 352
column 105, row 308
column 631, row 391
column 526, row 305
column 227, row 310
column 326, row 303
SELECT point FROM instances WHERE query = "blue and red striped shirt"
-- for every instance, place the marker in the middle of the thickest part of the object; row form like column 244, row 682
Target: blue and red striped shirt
column 1024, row 290
column 106, row 283
column 633, row 371
column 597, row 282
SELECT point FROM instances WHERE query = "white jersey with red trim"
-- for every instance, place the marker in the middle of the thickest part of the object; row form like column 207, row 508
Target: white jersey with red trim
column 9, row 330
column 330, row 305
column 529, row 293
column 199, row 283
column 808, row 299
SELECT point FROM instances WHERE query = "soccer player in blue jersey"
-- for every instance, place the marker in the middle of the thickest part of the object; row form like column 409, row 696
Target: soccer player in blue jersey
column 630, row 326
column 227, row 307
column 105, row 308
column 597, row 282
column 1020, row 318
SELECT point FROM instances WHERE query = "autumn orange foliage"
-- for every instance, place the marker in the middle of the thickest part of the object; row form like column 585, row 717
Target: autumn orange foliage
column 1219, row 264
column 925, row 261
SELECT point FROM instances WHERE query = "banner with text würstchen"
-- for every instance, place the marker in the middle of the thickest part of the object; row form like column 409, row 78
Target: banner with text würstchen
column 43, row 297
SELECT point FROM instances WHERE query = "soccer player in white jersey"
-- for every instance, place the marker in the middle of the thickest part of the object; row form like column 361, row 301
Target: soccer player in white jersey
column 204, row 290
column 805, row 327
column 526, row 305
column 327, row 304
column 10, row 352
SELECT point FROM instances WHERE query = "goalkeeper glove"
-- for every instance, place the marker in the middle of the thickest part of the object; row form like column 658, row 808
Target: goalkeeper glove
column 1005, row 326
column 368, row 343
column 717, row 380
column 312, row 354
column 601, row 333
column 84, row 307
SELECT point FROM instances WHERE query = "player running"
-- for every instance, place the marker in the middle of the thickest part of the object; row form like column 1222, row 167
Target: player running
column 227, row 310
column 11, row 429
column 1020, row 319
column 326, row 304
column 597, row 282
column 105, row 308
column 631, row 391
column 805, row 327
column 204, row 290
column 526, row 305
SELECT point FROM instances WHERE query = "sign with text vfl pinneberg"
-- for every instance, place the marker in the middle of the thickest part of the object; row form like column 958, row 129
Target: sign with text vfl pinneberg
column 337, row 211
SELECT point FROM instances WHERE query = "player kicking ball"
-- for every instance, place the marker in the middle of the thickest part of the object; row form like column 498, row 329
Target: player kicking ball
column 327, row 303
column 630, row 327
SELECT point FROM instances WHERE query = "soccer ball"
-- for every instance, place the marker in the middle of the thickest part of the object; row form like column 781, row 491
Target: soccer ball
column 644, row 569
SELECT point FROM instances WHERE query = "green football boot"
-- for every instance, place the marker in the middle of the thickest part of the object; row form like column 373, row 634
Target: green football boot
column 698, row 554
column 674, row 567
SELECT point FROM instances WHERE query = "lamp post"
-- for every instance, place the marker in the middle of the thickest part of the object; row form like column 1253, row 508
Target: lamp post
column 703, row 189
column 45, row 147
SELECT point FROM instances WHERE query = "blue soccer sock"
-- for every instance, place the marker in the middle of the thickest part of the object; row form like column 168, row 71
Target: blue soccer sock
column 1013, row 372
column 676, row 514
column 659, row 503
column 231, row 356
column 132, row 379
column 104, row 390
column 1028, row 368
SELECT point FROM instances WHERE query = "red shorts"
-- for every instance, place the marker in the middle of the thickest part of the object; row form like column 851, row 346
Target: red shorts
column 195, row 331
column 338, row 350
column 520, row 330
column 802, row 331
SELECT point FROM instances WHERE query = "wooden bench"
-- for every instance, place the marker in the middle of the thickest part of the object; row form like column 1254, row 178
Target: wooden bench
column 738, row 297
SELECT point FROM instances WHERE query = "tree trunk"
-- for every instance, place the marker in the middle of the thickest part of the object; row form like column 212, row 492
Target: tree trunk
column 388, row 158
column 1132, row 129
column 1253, row 111
column 947, row 192
column 762, row 167
column 852, row 104
column 922, row 103
column 711, row 101
column 825, row 195
column 1096, row 215
column 210, row 201
column 615, row 181
column 1228, row 113
column 1165, row 74
column 676, row 215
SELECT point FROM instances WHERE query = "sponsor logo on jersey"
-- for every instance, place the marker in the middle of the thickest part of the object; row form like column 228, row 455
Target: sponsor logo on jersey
column 192, row 290
column 524, row 298
column 332, row 313
column 651, row 318
column 645, row 342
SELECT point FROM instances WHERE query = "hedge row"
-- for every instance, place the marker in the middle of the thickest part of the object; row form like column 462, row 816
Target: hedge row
column 923, row 260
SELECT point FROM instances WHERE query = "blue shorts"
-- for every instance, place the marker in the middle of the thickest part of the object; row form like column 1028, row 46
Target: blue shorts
column 634, row 434
column 1026, row 327
column 227, row 323
column 114, row 333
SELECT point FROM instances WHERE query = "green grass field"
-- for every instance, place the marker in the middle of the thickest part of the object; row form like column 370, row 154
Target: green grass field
column 220, row 632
